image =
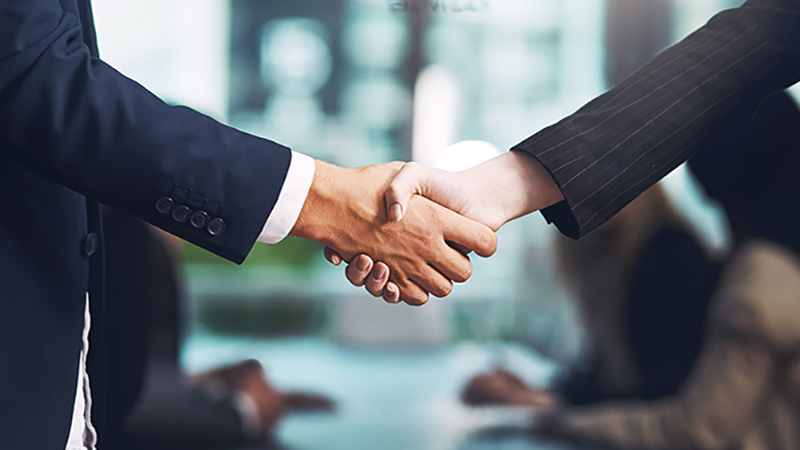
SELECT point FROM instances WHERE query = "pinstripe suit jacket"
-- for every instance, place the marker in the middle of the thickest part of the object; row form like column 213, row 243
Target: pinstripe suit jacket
column 689, row 96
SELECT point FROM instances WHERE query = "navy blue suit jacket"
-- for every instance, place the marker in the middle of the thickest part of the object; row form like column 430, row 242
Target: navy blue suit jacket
column 75, row 132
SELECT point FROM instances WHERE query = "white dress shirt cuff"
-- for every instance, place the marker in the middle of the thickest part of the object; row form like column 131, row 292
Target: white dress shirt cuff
column 291, row 199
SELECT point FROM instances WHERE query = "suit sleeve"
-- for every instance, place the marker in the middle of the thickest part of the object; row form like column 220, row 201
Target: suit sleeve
column 612, row 149
column 72, row 118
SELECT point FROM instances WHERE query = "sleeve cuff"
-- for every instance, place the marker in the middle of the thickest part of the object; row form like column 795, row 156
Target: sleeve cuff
column 290, row 201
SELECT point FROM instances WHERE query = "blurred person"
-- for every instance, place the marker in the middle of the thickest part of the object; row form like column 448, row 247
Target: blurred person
column 624, row 273
column 643, row 285
column 152, row 403
column 744, row 389
column 74, row 132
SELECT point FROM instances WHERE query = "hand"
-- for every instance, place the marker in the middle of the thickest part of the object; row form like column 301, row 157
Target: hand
column 307, row 402
column 373, row 276
column 506, row 187
column 345, row 211
column 248, row 378
column 501, row 387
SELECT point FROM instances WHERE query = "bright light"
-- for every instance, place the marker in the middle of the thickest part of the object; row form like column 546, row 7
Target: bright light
column 463, row 155
column 436, row 103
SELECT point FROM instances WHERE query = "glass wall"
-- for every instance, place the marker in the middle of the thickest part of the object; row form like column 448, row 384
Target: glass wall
column 446, row 82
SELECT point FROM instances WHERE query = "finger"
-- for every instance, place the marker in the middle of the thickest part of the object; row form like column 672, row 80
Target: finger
column 471, row 394
column 304, row 401
column 451, row 263
column 411, row 293
column 468, row 233
column 392, row 293
column 332, row 256
column 460, row 248
column 405, row 184
column 543, row 400
column 378, row 277
column 432, row 281
column 358, row 270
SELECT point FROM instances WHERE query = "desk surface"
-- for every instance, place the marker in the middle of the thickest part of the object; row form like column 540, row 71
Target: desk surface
column 387, row 399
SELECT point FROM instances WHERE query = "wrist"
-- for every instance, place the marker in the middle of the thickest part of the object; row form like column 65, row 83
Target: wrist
column 317, row 214
column 518, row 185
column 541, row 189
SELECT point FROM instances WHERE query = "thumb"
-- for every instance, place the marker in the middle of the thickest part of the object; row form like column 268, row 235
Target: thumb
column 410, row 180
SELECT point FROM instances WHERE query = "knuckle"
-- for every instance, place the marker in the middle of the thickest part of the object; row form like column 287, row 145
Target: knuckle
column 411, row 165
column 464, row 274
column 392, row 192
column 376, row 288
column 429, row 240
column 416, row 300
column 353, row 277
column 443, row 290
column 415, row 167
column 488, row 241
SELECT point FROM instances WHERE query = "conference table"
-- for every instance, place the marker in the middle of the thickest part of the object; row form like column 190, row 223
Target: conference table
column 387, row 398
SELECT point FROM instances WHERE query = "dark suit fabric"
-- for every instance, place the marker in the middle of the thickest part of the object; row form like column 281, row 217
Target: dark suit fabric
column 664, row 320
column 153, row 405
column 688, row 97
column 74, row 132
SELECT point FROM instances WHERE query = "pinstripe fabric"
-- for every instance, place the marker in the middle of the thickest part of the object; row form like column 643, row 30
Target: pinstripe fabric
column 624, row 141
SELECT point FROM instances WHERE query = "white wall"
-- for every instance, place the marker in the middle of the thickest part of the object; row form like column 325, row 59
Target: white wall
column 176, row 48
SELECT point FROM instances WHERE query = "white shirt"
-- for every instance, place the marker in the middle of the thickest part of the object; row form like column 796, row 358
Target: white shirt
column 280, row 222
column 291, row 199
column 82, row 435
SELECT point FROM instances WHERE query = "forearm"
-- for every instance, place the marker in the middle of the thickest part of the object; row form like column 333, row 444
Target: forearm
column 619, row 144
column 71, row 118
column 727, row 385
column 516, row 182
column 325, row 217
column 626, row 426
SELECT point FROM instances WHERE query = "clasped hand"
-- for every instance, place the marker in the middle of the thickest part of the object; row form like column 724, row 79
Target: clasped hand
column 493, row 193
column 345, row 210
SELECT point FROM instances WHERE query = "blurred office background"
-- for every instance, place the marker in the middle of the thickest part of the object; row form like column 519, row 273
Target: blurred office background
column 445, row 82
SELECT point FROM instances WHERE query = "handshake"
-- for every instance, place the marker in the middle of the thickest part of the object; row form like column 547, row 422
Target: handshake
column 406, row 229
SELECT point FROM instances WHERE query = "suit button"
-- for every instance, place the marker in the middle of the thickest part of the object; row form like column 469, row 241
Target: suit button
column 199, row 219
column 216, row 227
column 90, row 244
column 164, row 205
column 181, row 214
